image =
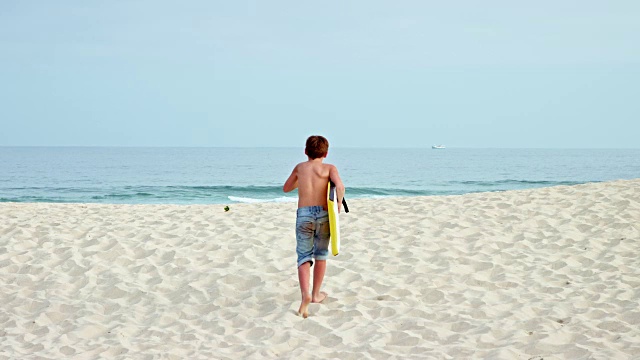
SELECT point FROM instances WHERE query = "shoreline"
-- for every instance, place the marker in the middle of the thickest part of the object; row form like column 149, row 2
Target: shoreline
column 294, row 199
column 548, row 272
column 248, row 194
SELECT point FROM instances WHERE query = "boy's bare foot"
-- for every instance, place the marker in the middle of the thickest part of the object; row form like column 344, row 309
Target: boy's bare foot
column 319, row 298
column 304, row 306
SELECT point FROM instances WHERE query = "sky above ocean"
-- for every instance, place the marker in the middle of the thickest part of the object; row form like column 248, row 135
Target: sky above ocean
column 503, row 74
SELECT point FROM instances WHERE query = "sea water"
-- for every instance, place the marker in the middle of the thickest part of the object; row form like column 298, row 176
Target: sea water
column 232, row 175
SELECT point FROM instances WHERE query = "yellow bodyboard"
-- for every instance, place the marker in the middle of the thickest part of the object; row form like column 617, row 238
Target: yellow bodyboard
column 334, row 218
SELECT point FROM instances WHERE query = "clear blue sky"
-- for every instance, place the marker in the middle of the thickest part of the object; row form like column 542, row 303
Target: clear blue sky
column 364, row 73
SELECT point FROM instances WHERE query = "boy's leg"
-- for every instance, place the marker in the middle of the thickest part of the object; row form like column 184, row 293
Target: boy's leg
column 303, row 277
column 320, row 252
column 318, row 275
column 305, row 229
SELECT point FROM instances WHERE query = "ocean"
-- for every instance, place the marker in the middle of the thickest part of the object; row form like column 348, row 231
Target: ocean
column 140, row 175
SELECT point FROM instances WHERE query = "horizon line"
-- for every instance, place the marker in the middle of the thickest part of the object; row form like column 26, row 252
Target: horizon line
column 296, row 147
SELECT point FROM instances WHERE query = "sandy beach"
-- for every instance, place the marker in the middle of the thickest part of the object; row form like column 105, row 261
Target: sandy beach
column 549, row 273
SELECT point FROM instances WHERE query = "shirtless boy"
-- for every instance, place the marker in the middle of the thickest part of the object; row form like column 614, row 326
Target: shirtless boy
column 312, row 222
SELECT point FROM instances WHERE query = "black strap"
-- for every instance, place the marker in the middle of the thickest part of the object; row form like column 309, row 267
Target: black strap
column 344, row 204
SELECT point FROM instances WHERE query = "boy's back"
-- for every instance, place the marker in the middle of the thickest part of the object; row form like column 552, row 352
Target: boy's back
column 313, row 177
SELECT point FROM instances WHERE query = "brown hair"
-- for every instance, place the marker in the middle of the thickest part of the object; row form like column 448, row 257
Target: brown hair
column 317, row 146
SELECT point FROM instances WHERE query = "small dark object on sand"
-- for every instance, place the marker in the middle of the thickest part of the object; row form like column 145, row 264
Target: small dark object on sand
column 226, row 208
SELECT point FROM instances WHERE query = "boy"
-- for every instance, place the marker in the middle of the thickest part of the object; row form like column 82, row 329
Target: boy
column 312, row 222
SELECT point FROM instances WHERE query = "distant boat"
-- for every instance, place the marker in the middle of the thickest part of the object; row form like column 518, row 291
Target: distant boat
column 438, row 147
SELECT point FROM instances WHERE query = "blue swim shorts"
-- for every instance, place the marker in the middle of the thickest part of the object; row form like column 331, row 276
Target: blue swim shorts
column 312, row 234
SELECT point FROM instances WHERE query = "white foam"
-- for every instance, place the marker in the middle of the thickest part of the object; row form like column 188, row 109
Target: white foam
column 253, row 201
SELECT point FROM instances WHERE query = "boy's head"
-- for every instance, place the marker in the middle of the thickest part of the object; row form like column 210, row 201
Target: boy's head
column 317, row 147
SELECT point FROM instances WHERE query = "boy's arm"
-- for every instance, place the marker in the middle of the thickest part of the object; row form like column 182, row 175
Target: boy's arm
column 292, row 182
column 335, row 177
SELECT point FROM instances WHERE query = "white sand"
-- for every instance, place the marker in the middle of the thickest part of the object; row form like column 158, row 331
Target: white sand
column 548, row 273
